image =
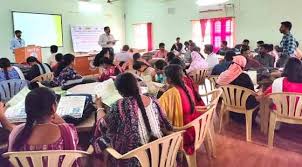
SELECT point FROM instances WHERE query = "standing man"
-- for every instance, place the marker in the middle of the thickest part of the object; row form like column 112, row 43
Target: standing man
column 288, row 43
column 17, row 41
column 107, row 40
column 177, row 46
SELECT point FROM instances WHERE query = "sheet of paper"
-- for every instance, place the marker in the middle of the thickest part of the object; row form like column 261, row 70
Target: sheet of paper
column 18, row 97
column 107, row 91
column 16, row 113
column 72, row 106
column 84, row 89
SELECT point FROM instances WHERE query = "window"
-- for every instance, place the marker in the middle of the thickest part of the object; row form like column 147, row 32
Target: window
column 213, row 31
column 143, row 36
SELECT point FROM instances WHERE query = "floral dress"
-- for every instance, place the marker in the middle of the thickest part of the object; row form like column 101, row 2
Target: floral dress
column 68, row 74
column 120, row 129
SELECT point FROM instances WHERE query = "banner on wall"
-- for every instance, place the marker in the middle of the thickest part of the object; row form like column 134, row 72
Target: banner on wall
column 85, row 38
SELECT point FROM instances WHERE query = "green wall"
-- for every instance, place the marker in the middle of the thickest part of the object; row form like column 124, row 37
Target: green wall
column 111, row 14
column 255, row 19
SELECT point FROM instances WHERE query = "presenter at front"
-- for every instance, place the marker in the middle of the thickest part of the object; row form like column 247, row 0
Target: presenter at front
column 17, row 41
column 107, row 40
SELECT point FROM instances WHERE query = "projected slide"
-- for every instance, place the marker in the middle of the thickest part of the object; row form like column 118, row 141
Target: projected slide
column 39, row 29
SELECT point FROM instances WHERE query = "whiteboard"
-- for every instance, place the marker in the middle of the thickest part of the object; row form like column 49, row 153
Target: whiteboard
column 85, row 38
column 39, row 29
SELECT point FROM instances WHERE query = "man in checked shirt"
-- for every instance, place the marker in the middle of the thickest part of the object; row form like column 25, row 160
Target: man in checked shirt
column 288, row 44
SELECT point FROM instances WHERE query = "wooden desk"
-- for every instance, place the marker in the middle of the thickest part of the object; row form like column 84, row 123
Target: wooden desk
column 83, row 64
column 87, row 125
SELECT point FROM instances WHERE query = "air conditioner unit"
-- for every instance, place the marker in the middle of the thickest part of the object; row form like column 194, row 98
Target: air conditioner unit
column 216, row 8
column 211, row 8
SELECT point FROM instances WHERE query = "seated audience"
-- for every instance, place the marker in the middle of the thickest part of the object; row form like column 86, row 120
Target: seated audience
column 129, row 64
column 212, row 58
column 59, row 58
column 7, row 71
column 144, row 70
column 187, row 53
column 273, row 53
column 224, row 65
column 251, row 63
column 179, row 104
column 170, row 56
column 124, row 55
column 53, row 52
column 177, row 46
column 259, row 43
column 108, row 69
column 37, row 68
column 187, row 46
column 162, row 52
column 224, row 48
column 245, row 42
column 106, row 52
column 235, row 75
column 291, row 80
column 65, row 74
column 42, row 121
column 198, row 61
column 133, row 121
column 159, row 68
column 189, row 81
column 264, row 58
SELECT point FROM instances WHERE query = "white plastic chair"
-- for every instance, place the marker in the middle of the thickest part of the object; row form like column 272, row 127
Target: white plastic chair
column 10, row 88
column 52, row 158
column 162, row 152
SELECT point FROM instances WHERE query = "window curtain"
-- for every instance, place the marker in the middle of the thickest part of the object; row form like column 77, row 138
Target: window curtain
column 203, row 24
column 143, row 37
column 219, row 30
column 149, row 36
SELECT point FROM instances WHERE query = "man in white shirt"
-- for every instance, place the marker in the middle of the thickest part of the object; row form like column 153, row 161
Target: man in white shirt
column 124, row 55
column 17, row 41
column 212, row 58
column 53, row 51
column 106, row 40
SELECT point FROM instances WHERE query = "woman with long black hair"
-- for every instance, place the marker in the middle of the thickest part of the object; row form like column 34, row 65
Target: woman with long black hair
column 179, row 104
column 7, row 71
column 37, row 68
column 43, row 129
column 133, row 121
column 188, row 81
column 107, row 68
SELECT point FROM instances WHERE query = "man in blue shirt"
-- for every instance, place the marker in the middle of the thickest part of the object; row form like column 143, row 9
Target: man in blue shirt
column 17, row 41
column 288, row 44
column 223, row 66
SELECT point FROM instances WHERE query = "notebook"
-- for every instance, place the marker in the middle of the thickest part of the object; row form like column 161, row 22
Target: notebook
column 107, row 91
column 71, row 106
column 68, row 105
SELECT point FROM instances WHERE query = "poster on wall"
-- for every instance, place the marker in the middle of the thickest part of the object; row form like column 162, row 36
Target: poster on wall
column 85, row 38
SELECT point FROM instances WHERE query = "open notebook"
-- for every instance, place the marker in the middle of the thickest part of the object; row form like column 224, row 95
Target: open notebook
column 106, row 90
column 68, row 105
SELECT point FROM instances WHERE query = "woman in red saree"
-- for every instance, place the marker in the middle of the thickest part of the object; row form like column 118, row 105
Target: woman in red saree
column 179, row 104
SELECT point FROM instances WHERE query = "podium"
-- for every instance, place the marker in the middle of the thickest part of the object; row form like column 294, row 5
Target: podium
column 21, row 54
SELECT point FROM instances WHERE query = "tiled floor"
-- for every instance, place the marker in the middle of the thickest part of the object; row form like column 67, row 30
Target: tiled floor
column 233, row 150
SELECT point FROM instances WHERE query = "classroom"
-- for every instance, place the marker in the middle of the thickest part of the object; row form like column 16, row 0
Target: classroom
column 140, row 83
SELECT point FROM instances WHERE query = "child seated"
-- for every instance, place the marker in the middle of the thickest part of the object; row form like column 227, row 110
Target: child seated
column 159, row 68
